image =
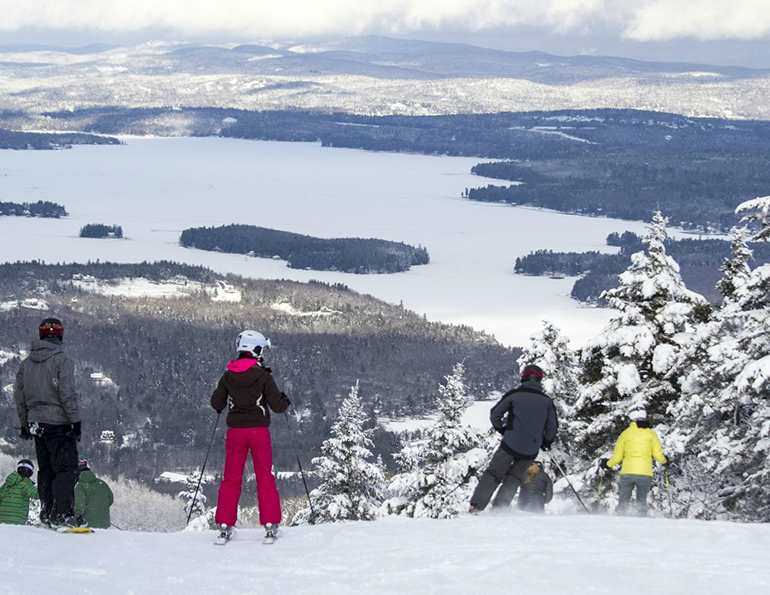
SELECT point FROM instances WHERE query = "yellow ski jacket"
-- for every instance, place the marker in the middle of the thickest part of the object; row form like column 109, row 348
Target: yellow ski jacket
column 636, row 448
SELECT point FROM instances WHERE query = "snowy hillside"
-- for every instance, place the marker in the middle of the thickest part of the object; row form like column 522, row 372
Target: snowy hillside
column 516, row 553
column 369, row 76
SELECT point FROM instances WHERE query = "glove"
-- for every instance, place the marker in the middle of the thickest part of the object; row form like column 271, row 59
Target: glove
column 221, row 409
column 75, row 431
column 603, row 465
column 500, row 431
column 285, row 398
column 24, row 434
column 547, row 445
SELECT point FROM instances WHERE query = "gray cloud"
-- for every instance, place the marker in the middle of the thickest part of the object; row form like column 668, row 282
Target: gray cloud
column 639, row 20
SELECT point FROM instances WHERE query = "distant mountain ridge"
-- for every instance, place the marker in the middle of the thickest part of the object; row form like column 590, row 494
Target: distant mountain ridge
column 368, row 75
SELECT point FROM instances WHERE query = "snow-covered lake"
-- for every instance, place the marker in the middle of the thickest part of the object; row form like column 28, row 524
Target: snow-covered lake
column 155, row 188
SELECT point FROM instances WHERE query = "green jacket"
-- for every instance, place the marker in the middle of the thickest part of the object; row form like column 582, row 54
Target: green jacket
column 93, row 499
column 15, row 495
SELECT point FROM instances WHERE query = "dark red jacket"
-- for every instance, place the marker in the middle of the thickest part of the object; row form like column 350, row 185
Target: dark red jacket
column 250, row 392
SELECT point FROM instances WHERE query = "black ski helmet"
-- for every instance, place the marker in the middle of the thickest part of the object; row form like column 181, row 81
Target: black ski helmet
column 532, row 372
column 51, row 327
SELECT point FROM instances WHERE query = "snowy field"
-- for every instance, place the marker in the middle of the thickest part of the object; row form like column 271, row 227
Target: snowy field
column 155, row 188
column 509, row 553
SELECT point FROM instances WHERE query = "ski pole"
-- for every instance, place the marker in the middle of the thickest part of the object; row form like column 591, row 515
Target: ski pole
column 203, row 469
column 569, row 483
column 301, row 470
column 668, row 491
column 119, row 529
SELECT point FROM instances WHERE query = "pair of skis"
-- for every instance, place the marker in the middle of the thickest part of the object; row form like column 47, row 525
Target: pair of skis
column 226, row 534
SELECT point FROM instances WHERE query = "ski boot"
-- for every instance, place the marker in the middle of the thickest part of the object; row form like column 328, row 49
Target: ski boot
column 271, row 533
column 225, row 534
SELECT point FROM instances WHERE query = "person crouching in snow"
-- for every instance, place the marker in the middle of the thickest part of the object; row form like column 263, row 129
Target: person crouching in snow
column 247, row 388
column 536, row 489
column 16, row 493
column 635, row 448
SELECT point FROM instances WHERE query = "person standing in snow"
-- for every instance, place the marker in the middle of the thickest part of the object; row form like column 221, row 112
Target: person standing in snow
column 526, row 417
column 93, row 498
column 48, row 410
column 536, row 489
column 248, row 389
column 16, row 493
column 635, row 448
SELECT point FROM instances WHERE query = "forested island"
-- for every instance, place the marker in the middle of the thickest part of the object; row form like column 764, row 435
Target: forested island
column 41, row 208
column 348, row 255
column 11, row 139
column 99, row 230
column 699, row 262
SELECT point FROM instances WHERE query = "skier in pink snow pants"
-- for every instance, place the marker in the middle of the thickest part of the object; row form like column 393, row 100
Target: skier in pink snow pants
column 249, row 392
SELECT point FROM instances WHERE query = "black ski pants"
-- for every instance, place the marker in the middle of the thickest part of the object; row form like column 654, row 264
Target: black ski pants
column 505, row 467
column 57, row 462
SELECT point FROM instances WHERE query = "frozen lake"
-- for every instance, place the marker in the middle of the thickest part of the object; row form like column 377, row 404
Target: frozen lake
column 155, row 188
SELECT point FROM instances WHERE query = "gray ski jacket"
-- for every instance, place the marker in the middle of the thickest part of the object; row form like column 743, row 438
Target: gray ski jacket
column 45, row 386
column 530, row 422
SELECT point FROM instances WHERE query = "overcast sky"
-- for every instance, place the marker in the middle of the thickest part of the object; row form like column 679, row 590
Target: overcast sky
column 717, row 31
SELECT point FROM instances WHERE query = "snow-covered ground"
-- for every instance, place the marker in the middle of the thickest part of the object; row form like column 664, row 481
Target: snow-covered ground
column 155, row 188
column 476, row 416
column 508, row 553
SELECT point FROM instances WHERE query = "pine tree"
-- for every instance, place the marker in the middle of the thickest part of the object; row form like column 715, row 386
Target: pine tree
column 352, row 488
column 705, row 370
column 631, row 360
column 737, row 452
column 201, row 518
column 434, row 477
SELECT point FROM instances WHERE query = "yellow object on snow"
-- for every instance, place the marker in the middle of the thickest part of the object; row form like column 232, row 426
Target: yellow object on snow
column 636, row 448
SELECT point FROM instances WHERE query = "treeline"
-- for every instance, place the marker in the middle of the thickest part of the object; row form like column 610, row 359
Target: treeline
column 350, row 255
column 10, row 139
column 165, row 357
column 699, row 262
column 99, row 230
column 41, row 208
column 697, row 194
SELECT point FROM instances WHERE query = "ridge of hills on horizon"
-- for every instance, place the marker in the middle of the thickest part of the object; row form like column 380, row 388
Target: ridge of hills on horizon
column 368, row 75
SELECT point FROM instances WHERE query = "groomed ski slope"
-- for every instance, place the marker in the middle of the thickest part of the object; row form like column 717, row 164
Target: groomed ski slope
column 507, row 553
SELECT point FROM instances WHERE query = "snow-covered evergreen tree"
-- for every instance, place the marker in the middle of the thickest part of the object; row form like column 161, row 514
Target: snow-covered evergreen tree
column 434, row 477
column 705, row 369
column 201, row 518
column 352, row 488
column 738, row 451
column 631, row 360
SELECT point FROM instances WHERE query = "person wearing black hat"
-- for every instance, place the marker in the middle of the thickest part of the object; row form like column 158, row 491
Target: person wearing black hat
column 48, row 410
column 16, row 493
column 526, row 417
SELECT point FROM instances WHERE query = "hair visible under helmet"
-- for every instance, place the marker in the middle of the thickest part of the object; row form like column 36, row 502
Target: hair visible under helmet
column 51, row 327
column 532, row 372
column 637, row 413
column 253, row 343
column 25, row 468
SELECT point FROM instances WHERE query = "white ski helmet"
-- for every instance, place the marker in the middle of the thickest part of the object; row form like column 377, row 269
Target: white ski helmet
column 252, row 342
column 637, row 412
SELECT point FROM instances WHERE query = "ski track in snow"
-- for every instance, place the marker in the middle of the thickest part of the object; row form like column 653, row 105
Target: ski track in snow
column 491, row 553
